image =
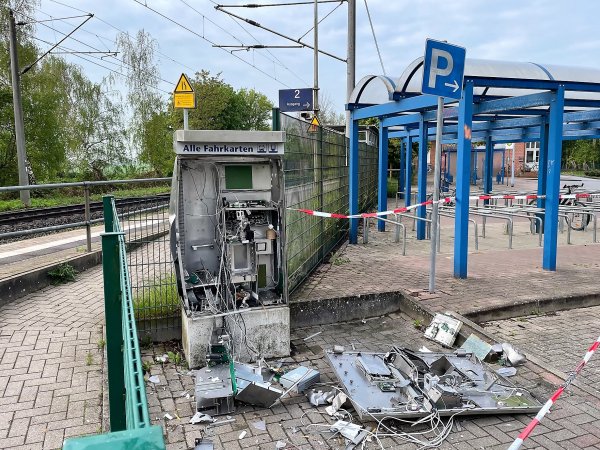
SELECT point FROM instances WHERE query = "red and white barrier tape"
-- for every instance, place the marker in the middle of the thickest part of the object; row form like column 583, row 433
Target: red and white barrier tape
column 540, row 415
column 430, row 202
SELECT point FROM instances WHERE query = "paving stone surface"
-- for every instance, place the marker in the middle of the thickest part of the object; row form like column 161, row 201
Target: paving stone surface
column 561, row 339
column 497, row 276
column 51, row 377
column 571, row 424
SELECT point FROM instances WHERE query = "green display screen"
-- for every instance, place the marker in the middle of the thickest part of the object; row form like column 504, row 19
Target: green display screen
column 238, row 177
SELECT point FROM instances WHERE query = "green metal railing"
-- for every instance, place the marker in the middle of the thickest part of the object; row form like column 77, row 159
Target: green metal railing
column 129, row 418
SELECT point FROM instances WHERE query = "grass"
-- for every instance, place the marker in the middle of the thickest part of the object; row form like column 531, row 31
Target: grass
column 62, row 200
column 63, row 273
column 159, row 300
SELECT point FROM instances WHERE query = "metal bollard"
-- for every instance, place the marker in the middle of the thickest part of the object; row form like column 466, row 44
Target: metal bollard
column 365, row 230
column 87, row 216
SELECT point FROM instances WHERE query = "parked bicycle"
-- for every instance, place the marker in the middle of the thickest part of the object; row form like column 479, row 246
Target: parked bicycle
column 576, row 220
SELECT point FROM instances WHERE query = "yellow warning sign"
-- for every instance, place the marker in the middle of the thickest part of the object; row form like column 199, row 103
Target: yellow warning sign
column 184, row 85
column 184, row 96
column 184, row 100
column 314, row 125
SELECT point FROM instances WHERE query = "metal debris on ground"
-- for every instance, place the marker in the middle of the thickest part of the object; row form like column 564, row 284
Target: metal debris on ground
column 203, row 444
column 443, row 329
column 406, row 384
column 168, row 416
column 338, row 349
column 302, row 377
column 242, row 435
column 475, row 345
column 507, row 371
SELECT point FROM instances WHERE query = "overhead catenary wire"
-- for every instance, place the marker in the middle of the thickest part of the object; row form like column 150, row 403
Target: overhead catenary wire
column 258, row 25
column 164, row 16
column 95, row 48
column 121, row 31
column 374, row 37
column 324, row 17
column 266, row 5
column 98, row 64
column 259, row 43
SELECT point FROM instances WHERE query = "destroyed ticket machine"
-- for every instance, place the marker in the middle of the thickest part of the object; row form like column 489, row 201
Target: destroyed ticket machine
column 227, row 226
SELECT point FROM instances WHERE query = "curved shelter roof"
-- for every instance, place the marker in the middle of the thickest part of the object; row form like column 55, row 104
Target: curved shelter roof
column 377, row 89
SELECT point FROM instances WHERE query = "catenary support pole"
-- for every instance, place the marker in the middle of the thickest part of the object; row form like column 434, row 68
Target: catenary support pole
column 351, row 58
column 555, row 131
column 436, row 191
column 422, row 178
column 463, row 163
column 353, row 179
column 316, row 60
column 382, row 174
column 18, row 109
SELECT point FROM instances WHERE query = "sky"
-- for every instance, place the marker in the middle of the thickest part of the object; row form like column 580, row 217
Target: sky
column 541, row 31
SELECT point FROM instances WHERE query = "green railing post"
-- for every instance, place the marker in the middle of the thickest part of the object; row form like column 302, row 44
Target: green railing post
column 276, row 119
column 109, row 220
column 111, row 270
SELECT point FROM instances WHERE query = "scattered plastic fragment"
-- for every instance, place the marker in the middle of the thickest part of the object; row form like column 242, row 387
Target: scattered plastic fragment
column 260, row 425
column 338, row 349
column 154, row 379
column 424, row 350
column 168, row 416
column 242, row 434
column 513, row 356
column 507, row 371
column 162, row 359
column 312, row 335
column 336, row 404
column 201, row 418
column 280, row 444
column 317, row 398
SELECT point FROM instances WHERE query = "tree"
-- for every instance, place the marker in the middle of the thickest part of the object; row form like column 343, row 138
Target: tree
column 143, row 76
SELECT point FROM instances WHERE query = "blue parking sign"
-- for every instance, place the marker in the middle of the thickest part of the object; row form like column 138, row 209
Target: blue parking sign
column 443, row 69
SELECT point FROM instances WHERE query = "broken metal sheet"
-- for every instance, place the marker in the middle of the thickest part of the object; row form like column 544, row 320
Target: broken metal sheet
column 203, row 444
column 476, row 346
column 417, row 382
column 259, row 394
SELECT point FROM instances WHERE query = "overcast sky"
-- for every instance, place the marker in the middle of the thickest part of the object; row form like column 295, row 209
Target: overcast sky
column 550, row 31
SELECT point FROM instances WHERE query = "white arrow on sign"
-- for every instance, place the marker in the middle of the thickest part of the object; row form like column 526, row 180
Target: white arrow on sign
column 454, row 85
column 306, row 104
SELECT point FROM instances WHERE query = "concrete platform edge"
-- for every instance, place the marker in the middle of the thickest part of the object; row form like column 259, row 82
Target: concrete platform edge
column 19, row 285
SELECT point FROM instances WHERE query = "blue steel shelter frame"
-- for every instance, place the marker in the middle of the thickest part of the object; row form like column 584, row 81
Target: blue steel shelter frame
column 540, row 111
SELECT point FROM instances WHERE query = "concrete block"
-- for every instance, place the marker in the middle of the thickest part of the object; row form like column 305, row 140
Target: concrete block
column 255, row 332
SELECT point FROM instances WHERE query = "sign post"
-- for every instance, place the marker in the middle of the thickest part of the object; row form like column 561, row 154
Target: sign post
column 184, row 97
column 443, row 71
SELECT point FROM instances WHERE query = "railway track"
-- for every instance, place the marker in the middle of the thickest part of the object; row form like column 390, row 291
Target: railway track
column 22, row 216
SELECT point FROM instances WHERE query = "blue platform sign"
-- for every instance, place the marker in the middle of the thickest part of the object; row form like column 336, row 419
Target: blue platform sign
column 443, row 69
column 294, row 100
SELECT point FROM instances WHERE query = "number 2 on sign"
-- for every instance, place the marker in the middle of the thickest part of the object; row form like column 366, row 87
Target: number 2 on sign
column 296, row 93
